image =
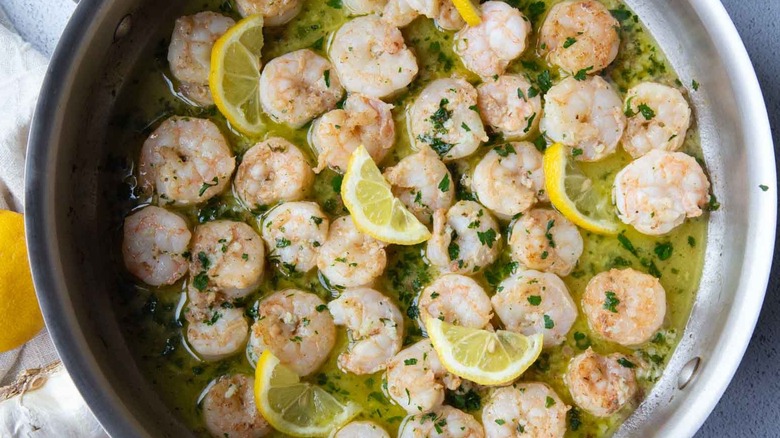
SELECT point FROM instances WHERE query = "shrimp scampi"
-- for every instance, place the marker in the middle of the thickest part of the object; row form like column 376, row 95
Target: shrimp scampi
column 458, row 300
column 361, row 429
column 658, row 191
column 510, row 105
column 544, row 239
column 444, row 117
column 624, row 306
column 658, row 118
column 299, row 86
column 274, row 12
column 466, row 238
column 216, row 332
column 189, row 54
column 443, row 422
column 601, row 385
column 229, row 409
column 296, row 327
column 524, row 408
column 350, row 258
column 294, row 232
column 185, row 161
column 154, row 243
column 375, row 328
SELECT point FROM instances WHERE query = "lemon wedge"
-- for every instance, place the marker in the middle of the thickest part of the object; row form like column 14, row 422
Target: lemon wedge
column 234, row 78
column 297, row 408
column 574, row 195
column 374, row 209
column 482, row 356
column 468, row 11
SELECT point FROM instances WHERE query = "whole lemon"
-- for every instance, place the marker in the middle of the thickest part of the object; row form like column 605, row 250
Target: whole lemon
column 20, row 316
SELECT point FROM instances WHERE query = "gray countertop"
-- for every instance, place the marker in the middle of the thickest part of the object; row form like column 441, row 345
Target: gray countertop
column 750, row 406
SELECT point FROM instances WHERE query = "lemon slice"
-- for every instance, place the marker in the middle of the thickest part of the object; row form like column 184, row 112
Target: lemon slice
column 574, row 195
column 468, row 11
column 234, row 78
column 294, row 407
column 482, row 356
column 374, row 209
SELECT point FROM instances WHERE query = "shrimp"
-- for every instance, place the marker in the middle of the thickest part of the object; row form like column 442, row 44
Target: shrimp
column 294, row 232
column 544, row 239
column 510, row 105
column 444, row 422
column 350, row 258
column 448, row 17
column 624, row 306
column 361, row 429
column 227, row 259
column 363, row 121
column 466, row 238
column 600, row 384
column 579, row 36
column 189, row 53
column 296, row 327
column 375, row 328
column 416, row 378
column 487, row 48
column 525, row 408
column 531, row 302
column 154, row 244
column 272, row 171
column 216, row 332
column 401, row 13
column 364, row 7
column 509, row 179
column 423, row 183
column 299, row 86
column 660, row 117
column 658, row 191
column 186, row 161
column 229, row 409
column 371, row 57
column 458, row 300
column 584, row 115
column 444, row 117
column 274, row 12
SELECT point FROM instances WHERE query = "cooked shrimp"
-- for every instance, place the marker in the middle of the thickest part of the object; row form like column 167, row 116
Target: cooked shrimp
column 524, row 408
column 186, row 161
column 364, row 7
column 375, row 328
column 448, row 17
column 658, row 191
column 154, row 244
column 487, row 48
column 216, row 332
column 624, row 306
column 531, row 302
column 272, row 171
column 227, row 259
column 350, row 258
column 363, row 121
column 510, row 105
column 416, row 378
column 584, row 115
column 458, row 300
column 371, row 57
column 274, row 12
column 466, row 238
column 361, row 429
column 229, row 409
column 661, row 117
column 299, row 86
column 296, row 327
column 600, row 384
column 579, row 36
column 294, row 232
column 422, row 182
column 399, row 13
column 509, row 179
column 444, row 117
column 189, row 53
column 544, row 239
column 444, row 422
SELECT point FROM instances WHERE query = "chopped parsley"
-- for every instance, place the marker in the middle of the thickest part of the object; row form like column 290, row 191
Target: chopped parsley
column 316, row 219
column 663, row 250
column 453, row 249
column 335, row 4
column 444, row 184
column 201, row 281
column 549, row 401
column 548, row 322
column 581, row 340
column 282, row 242
column 625, row 243
column 500, row 422
column 763, row 187
column 321, row 308
column 548, row 234
column 695, row 85
column 544, row 80
column 487, row 238
column 505, row 150
column 646, row 111
column 534, row 300
column 530, row 122
column 207, row 185
column 326, row 76
column 465, row 127
column 576, row 152
column 410, row 361
column 610, row 302
column 441, row 116
column 691, row 241
column 204, row 260
column 569, row 42
column 581, row 75
column 626, row 363
column 620, row 15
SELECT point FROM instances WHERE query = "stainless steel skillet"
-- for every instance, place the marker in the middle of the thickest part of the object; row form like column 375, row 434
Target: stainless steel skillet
column 69, row 232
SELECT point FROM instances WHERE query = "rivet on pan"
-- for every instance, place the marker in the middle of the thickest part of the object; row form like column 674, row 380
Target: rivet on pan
column 123, row 28
column 688, row 372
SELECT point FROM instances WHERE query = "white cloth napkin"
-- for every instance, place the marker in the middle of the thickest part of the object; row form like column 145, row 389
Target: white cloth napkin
column 37, row 397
